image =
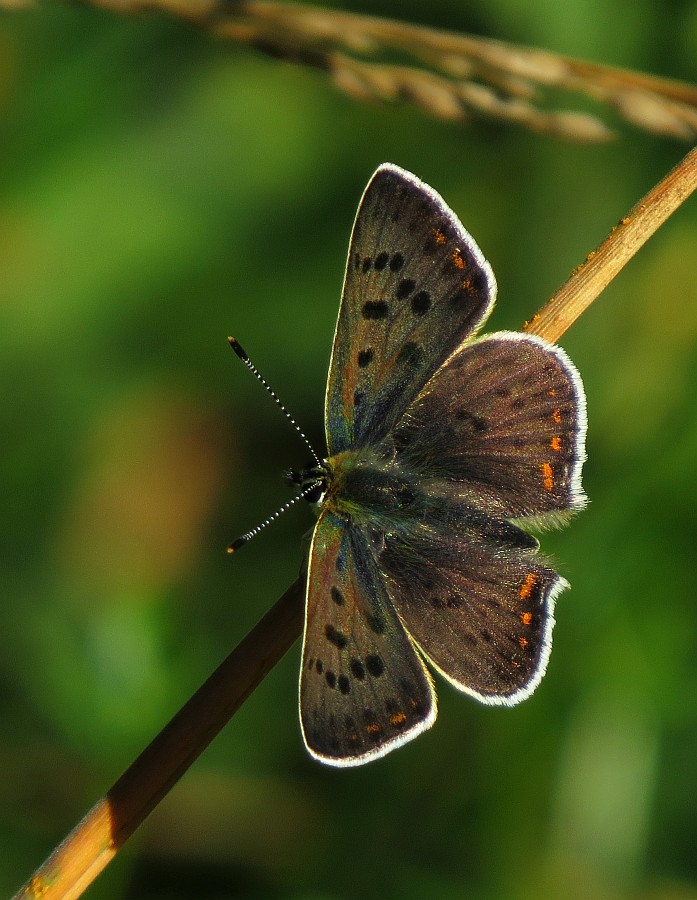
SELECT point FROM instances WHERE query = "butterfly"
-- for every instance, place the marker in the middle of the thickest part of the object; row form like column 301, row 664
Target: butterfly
column 442, row 448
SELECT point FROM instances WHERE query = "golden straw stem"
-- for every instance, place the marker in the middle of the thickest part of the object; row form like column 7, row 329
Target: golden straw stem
column 601, row 265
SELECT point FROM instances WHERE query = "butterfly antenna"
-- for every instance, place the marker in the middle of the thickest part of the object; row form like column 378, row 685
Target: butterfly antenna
column 240, row 351
column 248, row 535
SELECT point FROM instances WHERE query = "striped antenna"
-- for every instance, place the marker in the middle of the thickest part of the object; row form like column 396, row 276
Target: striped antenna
column 239, row 350
column 248, row 535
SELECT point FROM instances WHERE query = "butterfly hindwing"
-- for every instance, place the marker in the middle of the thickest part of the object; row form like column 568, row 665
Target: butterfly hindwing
column 416, row 286
column 503, row 423
column 363, row 687
column 481, row 614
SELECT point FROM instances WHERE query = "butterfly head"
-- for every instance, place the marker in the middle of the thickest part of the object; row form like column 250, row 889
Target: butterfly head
column 312, row 481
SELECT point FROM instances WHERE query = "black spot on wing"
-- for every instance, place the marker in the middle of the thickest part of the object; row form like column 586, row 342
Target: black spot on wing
column 335, row 637
column 375, row 309
column 421, row 303
column 357, row 669
column 376, row 624
column 404, row 288
column 365, row 357
column 471, row 420
column 460, row 297
column 411, row 354
column 374, row 665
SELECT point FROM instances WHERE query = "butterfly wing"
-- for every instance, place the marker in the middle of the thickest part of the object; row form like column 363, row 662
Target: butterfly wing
column 503, row 425
column 363, row 687
column 482, row 615
column 499, row 428
column 416, row 286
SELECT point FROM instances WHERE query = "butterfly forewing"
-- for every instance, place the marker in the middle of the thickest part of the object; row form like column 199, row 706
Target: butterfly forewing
column 363, row 687
column 511, row 427
column 416, row 286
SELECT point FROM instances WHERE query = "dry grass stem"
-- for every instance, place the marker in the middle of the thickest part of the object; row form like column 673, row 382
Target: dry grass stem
column 600, row 266
column 446, row 74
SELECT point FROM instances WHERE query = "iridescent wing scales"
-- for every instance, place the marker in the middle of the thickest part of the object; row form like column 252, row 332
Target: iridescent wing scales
column 416, row 286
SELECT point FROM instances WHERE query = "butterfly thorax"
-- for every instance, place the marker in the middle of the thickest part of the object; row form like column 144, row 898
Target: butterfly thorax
column 365, row 486
column 361, row 485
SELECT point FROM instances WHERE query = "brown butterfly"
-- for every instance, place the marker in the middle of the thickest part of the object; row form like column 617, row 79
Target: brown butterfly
column 441, row 448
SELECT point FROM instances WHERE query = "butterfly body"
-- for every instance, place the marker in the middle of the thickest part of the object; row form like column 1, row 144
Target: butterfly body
column 443, row 449
column 380, row 494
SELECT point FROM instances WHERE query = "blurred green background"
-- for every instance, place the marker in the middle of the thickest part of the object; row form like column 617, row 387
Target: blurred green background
column 159, row 190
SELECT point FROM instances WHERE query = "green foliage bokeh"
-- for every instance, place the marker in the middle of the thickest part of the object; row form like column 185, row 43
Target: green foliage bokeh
column 160, row 190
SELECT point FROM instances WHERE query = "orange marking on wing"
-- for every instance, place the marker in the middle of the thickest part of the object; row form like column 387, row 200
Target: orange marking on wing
column 457, row 259
column 528, row 585
column 555, row 444
column 526, row 618
column 398, row 719
column 552, row 393
column 547, row 476
column 373, row 728
column 440, row 238
column 523, row 643
column 556, row 416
